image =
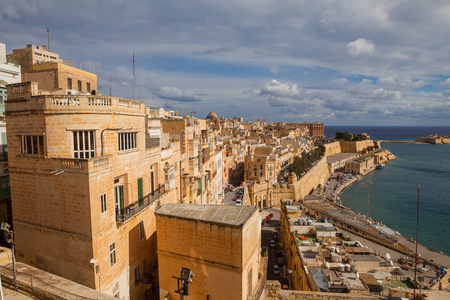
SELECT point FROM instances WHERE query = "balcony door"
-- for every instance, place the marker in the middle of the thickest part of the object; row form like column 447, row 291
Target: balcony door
column 119, row 199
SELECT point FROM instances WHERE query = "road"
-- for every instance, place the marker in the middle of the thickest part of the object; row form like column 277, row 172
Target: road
column 267, row 230
column 230, row 197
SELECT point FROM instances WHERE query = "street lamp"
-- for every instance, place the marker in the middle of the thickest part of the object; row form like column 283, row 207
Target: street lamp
column 10, row 239
column 184, row 279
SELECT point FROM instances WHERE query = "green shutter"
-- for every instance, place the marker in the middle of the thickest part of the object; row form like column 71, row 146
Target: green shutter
column 140, row 192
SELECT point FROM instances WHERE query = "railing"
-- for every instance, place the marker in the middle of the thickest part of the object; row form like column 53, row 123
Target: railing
column 127, row 212
column 81, row 164
column 25, row 101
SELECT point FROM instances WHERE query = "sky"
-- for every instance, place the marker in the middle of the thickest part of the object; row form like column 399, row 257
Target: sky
column 357, row 62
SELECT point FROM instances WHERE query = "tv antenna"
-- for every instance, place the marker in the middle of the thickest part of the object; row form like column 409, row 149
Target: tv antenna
column 48, row 38
column 189, row 112
column 133, row 73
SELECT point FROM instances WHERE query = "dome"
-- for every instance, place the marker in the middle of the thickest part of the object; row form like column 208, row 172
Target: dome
column 211, row 115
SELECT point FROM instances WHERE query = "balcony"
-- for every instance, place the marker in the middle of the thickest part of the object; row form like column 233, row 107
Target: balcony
column 122, row 215
column 81, row 165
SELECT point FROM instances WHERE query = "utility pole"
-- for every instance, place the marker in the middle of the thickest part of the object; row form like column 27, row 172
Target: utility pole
column 133, row 74
column 48, row 38
column 417, row 241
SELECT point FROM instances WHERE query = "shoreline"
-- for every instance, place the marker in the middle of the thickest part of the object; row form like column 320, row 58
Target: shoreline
column 433, row 257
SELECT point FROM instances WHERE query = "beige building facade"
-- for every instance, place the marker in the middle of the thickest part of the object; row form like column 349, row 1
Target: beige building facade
column 85, row 180
column 51, row 72
column 221, row 245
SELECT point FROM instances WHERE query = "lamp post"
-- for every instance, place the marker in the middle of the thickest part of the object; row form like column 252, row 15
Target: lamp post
column 183, row 282
column 10, row 239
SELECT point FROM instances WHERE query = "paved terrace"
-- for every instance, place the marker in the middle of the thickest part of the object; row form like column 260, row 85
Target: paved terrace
column 44, row 285
column 349, row 219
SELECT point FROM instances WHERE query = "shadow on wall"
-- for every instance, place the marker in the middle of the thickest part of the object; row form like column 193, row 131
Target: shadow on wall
column 142, row 249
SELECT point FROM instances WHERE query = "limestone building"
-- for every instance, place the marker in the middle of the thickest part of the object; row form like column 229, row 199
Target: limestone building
column 51, row 72
column 221, row 245
column 86, row 176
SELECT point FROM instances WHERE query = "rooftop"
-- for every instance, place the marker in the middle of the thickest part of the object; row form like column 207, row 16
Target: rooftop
column 232, row 215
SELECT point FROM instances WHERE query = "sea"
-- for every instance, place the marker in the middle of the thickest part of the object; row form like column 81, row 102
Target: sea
column 391, row 194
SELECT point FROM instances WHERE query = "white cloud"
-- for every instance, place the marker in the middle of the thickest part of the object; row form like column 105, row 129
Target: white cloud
column 361, row 46
column 340, row 81
column 280, row 89
column 176, row 94
column 274, row 70
column 444, row 84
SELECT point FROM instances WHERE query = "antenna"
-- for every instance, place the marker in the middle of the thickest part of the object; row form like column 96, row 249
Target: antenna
column 48, row 38
column 110, row 86
column 133, row 74
column 189, row 112
column 417, row 241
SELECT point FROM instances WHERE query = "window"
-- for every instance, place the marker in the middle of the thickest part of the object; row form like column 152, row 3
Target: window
column 137, row 276
column 103, row 202
column 142, row 230
column 127, row 140
column 84, row 144
column 69, row 83
column 88, row 87
column 32, row 144
column 112, row 254
column 80, row 86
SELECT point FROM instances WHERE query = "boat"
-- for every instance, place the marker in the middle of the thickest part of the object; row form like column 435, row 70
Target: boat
column 380, row 167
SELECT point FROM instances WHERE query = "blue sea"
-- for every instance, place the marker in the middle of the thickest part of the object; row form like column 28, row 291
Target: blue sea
column 393, row 190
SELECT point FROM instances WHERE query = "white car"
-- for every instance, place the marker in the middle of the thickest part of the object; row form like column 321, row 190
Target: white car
column 272, row 244
column 238, row 202
column 276, row 270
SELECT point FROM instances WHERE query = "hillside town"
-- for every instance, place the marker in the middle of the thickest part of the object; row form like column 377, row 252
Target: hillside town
column 103, row 197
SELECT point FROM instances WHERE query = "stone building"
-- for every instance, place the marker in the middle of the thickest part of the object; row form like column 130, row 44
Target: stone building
column 360, row 165
column 51, row 72
column 86, row 177
column 221, row 245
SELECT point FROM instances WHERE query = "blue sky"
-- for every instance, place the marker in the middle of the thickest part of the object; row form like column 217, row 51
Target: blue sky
column 340, row 62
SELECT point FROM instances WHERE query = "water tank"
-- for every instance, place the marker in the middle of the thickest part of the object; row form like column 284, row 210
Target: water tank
column 332, row 248
column 334, row 257
column 347, row 267
column 310, row 222
column 341, row 267
column 388, row 256
column 353, row 267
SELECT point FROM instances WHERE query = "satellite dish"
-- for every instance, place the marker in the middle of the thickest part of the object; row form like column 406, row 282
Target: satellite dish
column 388, row 256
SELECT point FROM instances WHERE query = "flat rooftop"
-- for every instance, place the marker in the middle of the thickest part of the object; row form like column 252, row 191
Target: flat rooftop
column 340, row 157
column 231, row 215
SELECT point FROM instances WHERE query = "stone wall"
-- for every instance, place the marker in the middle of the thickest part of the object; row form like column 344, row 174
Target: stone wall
column 354, row 147
column 267, row 194
column 221, row 256
column 332, row 148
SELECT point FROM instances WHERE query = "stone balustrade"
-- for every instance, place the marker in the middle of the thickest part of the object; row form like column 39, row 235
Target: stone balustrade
column 77, row 103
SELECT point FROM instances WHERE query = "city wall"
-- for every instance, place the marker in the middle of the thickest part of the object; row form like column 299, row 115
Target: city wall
column 267, row 194
column 332, row 148
column 354, row 147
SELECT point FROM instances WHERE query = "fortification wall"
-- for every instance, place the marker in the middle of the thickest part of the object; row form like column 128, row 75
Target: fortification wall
column 332, row 148
column 317, row 175
column 353, row 147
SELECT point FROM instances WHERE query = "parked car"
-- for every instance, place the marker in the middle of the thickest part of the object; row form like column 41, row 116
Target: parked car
column 272, row 244
column 276, row 270
column 239, row 202
column 271, row 215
